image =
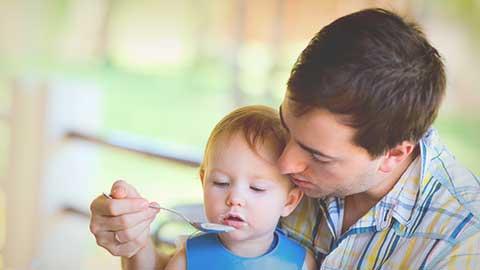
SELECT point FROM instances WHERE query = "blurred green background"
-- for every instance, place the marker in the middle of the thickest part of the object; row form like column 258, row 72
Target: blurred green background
column 167, row 71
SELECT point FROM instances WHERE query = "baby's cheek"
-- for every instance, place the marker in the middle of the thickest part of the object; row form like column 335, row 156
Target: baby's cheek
column 210, row 209
column 269, row 211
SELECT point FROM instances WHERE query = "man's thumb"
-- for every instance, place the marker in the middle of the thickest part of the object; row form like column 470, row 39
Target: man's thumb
column 121, row 190
column 118, row 193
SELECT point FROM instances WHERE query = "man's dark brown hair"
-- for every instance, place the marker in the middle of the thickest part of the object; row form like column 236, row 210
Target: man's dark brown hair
column 376, row 71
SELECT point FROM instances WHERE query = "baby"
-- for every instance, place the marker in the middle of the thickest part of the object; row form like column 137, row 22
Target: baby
column 243, row 188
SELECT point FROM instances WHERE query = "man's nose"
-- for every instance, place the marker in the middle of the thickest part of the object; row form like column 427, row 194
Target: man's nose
column 292, row 160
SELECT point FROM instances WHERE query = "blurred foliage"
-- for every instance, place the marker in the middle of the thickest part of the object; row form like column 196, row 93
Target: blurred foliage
column 179, row 101
column 465, row 11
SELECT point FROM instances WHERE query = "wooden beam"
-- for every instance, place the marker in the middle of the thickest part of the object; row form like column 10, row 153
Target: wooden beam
column 25, row 168
column 139, row 146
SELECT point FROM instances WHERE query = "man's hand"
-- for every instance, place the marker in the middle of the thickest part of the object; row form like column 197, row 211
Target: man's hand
column 122, row 224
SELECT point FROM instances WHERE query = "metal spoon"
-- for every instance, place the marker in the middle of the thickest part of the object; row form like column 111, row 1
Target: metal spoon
column 201, row 226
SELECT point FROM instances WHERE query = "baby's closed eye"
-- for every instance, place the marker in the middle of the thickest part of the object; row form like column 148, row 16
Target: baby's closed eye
column 258, row 188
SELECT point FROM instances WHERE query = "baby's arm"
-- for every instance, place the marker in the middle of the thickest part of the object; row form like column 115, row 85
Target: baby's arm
column 309, row 263
column 178, row 261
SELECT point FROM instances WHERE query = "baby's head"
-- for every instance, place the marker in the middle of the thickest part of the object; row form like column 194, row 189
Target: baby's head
column 242, row 186
column 259, row 126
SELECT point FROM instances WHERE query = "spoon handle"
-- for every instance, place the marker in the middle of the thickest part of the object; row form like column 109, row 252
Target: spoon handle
column 172, row 211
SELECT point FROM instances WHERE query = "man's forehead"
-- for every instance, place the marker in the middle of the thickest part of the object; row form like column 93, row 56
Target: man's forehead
column 289, row 111
column 316, row 128
column 284, row 108
column 284, row 105
column 282, row 117
column 290, row 106
column 297, row 110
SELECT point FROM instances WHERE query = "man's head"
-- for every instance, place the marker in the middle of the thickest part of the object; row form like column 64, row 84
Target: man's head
column 375, row 76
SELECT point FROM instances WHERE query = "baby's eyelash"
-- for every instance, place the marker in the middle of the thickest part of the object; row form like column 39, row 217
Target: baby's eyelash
column 257, row 189
column 222, row 184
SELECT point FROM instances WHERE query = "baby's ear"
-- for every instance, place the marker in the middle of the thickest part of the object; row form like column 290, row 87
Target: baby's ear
column 201, row 173
column 293, row 199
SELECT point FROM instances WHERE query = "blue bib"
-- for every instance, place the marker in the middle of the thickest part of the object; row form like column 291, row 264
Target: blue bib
column 207, row 252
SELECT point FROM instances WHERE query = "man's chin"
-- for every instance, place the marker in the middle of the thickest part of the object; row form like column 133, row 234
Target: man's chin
column 312, row 193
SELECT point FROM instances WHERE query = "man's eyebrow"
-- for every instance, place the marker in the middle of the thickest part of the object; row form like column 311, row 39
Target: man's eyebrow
column 303, row 146
column 315, row 152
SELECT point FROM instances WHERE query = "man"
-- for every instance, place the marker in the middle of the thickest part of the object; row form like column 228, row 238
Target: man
column 359, row 104
column 383, row 192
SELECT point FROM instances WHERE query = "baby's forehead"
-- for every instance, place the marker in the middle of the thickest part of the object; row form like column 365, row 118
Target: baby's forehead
column 267, row 147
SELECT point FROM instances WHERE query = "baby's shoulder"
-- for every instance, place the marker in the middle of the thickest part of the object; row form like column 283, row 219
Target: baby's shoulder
column 178, row 261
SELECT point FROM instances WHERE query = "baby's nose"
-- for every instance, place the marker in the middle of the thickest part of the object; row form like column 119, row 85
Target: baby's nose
column 235, row 199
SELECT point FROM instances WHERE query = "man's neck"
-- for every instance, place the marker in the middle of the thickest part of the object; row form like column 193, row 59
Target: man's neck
column 389, row 180
column 357, row 205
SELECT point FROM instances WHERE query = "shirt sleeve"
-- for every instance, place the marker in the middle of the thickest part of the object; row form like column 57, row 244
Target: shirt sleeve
column 465, row 254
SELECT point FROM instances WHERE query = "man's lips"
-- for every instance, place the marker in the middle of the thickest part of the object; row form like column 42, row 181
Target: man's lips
column 300, row 182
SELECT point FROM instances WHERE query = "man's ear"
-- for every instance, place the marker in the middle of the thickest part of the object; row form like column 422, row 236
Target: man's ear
column 395, row 156
column 293, row 199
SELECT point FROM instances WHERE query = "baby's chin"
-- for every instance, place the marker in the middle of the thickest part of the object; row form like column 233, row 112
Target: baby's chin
column 243, row 235
column 234, row 236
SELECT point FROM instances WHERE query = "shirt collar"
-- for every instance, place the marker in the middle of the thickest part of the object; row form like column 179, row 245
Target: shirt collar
column 401, row 200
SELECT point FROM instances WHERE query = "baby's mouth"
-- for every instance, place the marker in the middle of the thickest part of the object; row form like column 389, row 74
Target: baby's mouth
column 235, row 220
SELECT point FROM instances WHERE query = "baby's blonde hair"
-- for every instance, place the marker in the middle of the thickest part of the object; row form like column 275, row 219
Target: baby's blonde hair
column 257, row 123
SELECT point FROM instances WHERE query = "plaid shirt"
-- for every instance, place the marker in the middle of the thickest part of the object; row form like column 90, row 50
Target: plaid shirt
column 429, row 220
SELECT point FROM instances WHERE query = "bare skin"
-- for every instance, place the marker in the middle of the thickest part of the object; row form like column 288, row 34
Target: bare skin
column 122, row 227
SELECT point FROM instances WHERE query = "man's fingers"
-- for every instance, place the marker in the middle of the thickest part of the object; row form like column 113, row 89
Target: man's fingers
column 112, row 207
column 128, row 249
column 133, row 233
column 121, row 224
column 98, row 206
column 106, row 239
column 125, row 206
column 109, row 241
column 121, row 189
column 127, row 221
column 131, row 248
